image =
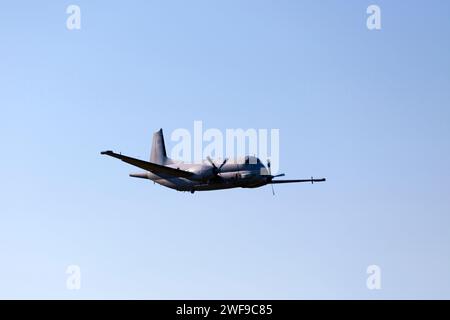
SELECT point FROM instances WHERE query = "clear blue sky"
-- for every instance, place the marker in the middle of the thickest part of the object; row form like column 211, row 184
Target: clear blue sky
column 369, row 110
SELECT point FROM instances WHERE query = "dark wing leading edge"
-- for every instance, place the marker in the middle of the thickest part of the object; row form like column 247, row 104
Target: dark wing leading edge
column 149, row 166
column 298, row 180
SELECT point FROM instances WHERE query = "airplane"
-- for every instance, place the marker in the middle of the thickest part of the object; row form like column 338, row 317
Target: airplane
column 246, row 172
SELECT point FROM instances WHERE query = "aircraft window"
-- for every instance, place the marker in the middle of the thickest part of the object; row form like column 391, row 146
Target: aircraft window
column 251, row 160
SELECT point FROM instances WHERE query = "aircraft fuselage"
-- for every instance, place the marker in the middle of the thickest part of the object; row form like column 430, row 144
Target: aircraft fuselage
column 232, row 175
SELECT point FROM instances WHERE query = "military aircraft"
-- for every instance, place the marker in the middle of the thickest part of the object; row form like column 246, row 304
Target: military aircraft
column 247, row 172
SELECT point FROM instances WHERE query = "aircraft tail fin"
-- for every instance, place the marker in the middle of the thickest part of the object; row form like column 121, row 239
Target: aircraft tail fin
column 158, row 153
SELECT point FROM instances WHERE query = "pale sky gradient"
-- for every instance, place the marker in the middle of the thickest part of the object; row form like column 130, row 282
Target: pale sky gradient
column 369, row 110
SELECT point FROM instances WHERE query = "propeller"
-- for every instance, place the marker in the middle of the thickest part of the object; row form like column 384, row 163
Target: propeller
column 216, row 170
column 270, row 176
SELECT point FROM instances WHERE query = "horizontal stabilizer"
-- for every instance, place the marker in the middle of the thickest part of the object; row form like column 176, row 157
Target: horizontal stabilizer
column 142, row 175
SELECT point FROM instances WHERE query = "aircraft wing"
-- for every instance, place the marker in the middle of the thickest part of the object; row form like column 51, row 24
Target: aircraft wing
column 297, row 180
column 149, row 166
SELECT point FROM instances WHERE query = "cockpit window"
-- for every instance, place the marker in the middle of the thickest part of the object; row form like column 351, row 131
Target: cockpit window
column 251, row 160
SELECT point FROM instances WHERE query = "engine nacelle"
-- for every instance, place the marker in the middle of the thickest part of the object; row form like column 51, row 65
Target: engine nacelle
column 202, row 173
column 241, row 175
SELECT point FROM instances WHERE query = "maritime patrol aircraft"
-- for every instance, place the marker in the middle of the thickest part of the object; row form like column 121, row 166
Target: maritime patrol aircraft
column 246, row 172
